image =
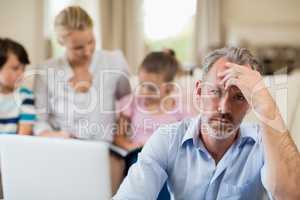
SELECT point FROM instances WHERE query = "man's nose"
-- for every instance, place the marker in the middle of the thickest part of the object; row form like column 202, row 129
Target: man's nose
column 224, row 104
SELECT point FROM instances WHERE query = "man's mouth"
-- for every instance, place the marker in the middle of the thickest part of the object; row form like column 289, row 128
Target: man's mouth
column 222, row 120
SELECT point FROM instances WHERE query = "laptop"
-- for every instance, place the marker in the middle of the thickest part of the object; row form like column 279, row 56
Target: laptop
column 35, row 168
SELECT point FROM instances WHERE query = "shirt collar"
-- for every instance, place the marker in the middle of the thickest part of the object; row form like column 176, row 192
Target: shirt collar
column 192, row 132
column 248, row 134
column 66, row 67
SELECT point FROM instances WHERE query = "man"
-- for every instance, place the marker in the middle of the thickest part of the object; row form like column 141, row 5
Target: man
column 213, row 156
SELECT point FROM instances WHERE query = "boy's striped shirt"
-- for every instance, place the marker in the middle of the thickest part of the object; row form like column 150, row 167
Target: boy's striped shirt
column 16, row 108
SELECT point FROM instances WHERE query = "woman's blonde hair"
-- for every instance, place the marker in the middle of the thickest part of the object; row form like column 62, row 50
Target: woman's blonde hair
column 72, row 18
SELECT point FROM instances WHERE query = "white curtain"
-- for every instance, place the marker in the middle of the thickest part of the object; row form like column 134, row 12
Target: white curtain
column 207, row 28
column 122, row 28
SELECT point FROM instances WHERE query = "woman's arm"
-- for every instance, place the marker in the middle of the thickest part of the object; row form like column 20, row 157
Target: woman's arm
column 42, row 99
column 123, row 85
column 27, row 115
column 55, row 134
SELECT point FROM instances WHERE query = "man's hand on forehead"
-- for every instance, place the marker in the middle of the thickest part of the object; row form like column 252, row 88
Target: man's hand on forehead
column 241, row 76
column 235, row 74
column 251, row 84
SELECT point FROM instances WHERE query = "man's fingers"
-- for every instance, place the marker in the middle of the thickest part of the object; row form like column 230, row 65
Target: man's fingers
column 230, row 73
column 225, row 72
column 234, row 65
column 236, row 70
column 226, row 77
column 231, row 82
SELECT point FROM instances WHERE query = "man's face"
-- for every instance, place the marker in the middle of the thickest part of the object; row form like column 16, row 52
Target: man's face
column 222, row 110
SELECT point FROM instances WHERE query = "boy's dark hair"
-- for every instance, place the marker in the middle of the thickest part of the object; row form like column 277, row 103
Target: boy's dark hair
column 8, row 46
column 161, row 63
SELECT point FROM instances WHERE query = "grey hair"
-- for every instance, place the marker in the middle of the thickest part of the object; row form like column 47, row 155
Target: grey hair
column 238, row 55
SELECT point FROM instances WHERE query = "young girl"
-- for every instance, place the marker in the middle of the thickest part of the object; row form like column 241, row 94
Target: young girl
column 152, row 105
column 17, row 113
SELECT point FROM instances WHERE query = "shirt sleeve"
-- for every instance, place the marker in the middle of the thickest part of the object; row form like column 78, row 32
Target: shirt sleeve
column 41, row 103
column 146, row 177
column 123, row 85
column 28, row 114
column 263, row 180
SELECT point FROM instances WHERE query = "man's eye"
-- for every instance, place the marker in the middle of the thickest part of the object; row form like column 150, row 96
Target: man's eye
column 151, row 88
column 214, row 92
column 240, row 97
column 78, row 48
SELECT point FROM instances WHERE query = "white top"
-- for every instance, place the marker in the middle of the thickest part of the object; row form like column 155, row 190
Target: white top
column 89, row 115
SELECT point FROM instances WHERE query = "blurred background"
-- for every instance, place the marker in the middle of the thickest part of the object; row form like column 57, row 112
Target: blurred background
column 192, row 28
column 270, row 28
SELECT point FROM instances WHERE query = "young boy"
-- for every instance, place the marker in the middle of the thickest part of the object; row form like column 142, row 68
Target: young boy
column 17, row 113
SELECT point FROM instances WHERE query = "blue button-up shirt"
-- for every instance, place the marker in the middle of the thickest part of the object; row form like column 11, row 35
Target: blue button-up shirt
column 176, row 154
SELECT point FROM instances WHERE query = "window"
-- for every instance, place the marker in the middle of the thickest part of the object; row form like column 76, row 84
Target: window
column 170, row 24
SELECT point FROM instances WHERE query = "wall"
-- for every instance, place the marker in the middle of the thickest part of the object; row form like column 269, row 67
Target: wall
column 23, row 21
column 263, row 21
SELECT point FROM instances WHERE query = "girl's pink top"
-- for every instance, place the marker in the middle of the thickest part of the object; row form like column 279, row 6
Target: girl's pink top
column 143, row 122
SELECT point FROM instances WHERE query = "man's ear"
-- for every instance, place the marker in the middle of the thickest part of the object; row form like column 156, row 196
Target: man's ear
column 248, row 110
column 198, row 88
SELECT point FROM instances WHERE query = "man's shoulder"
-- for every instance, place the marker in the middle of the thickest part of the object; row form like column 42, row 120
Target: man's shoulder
column 174, row 131
column 167, row 138
column 250, row 125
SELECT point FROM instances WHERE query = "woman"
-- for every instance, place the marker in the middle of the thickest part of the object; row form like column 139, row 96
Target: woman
column 76, row 93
